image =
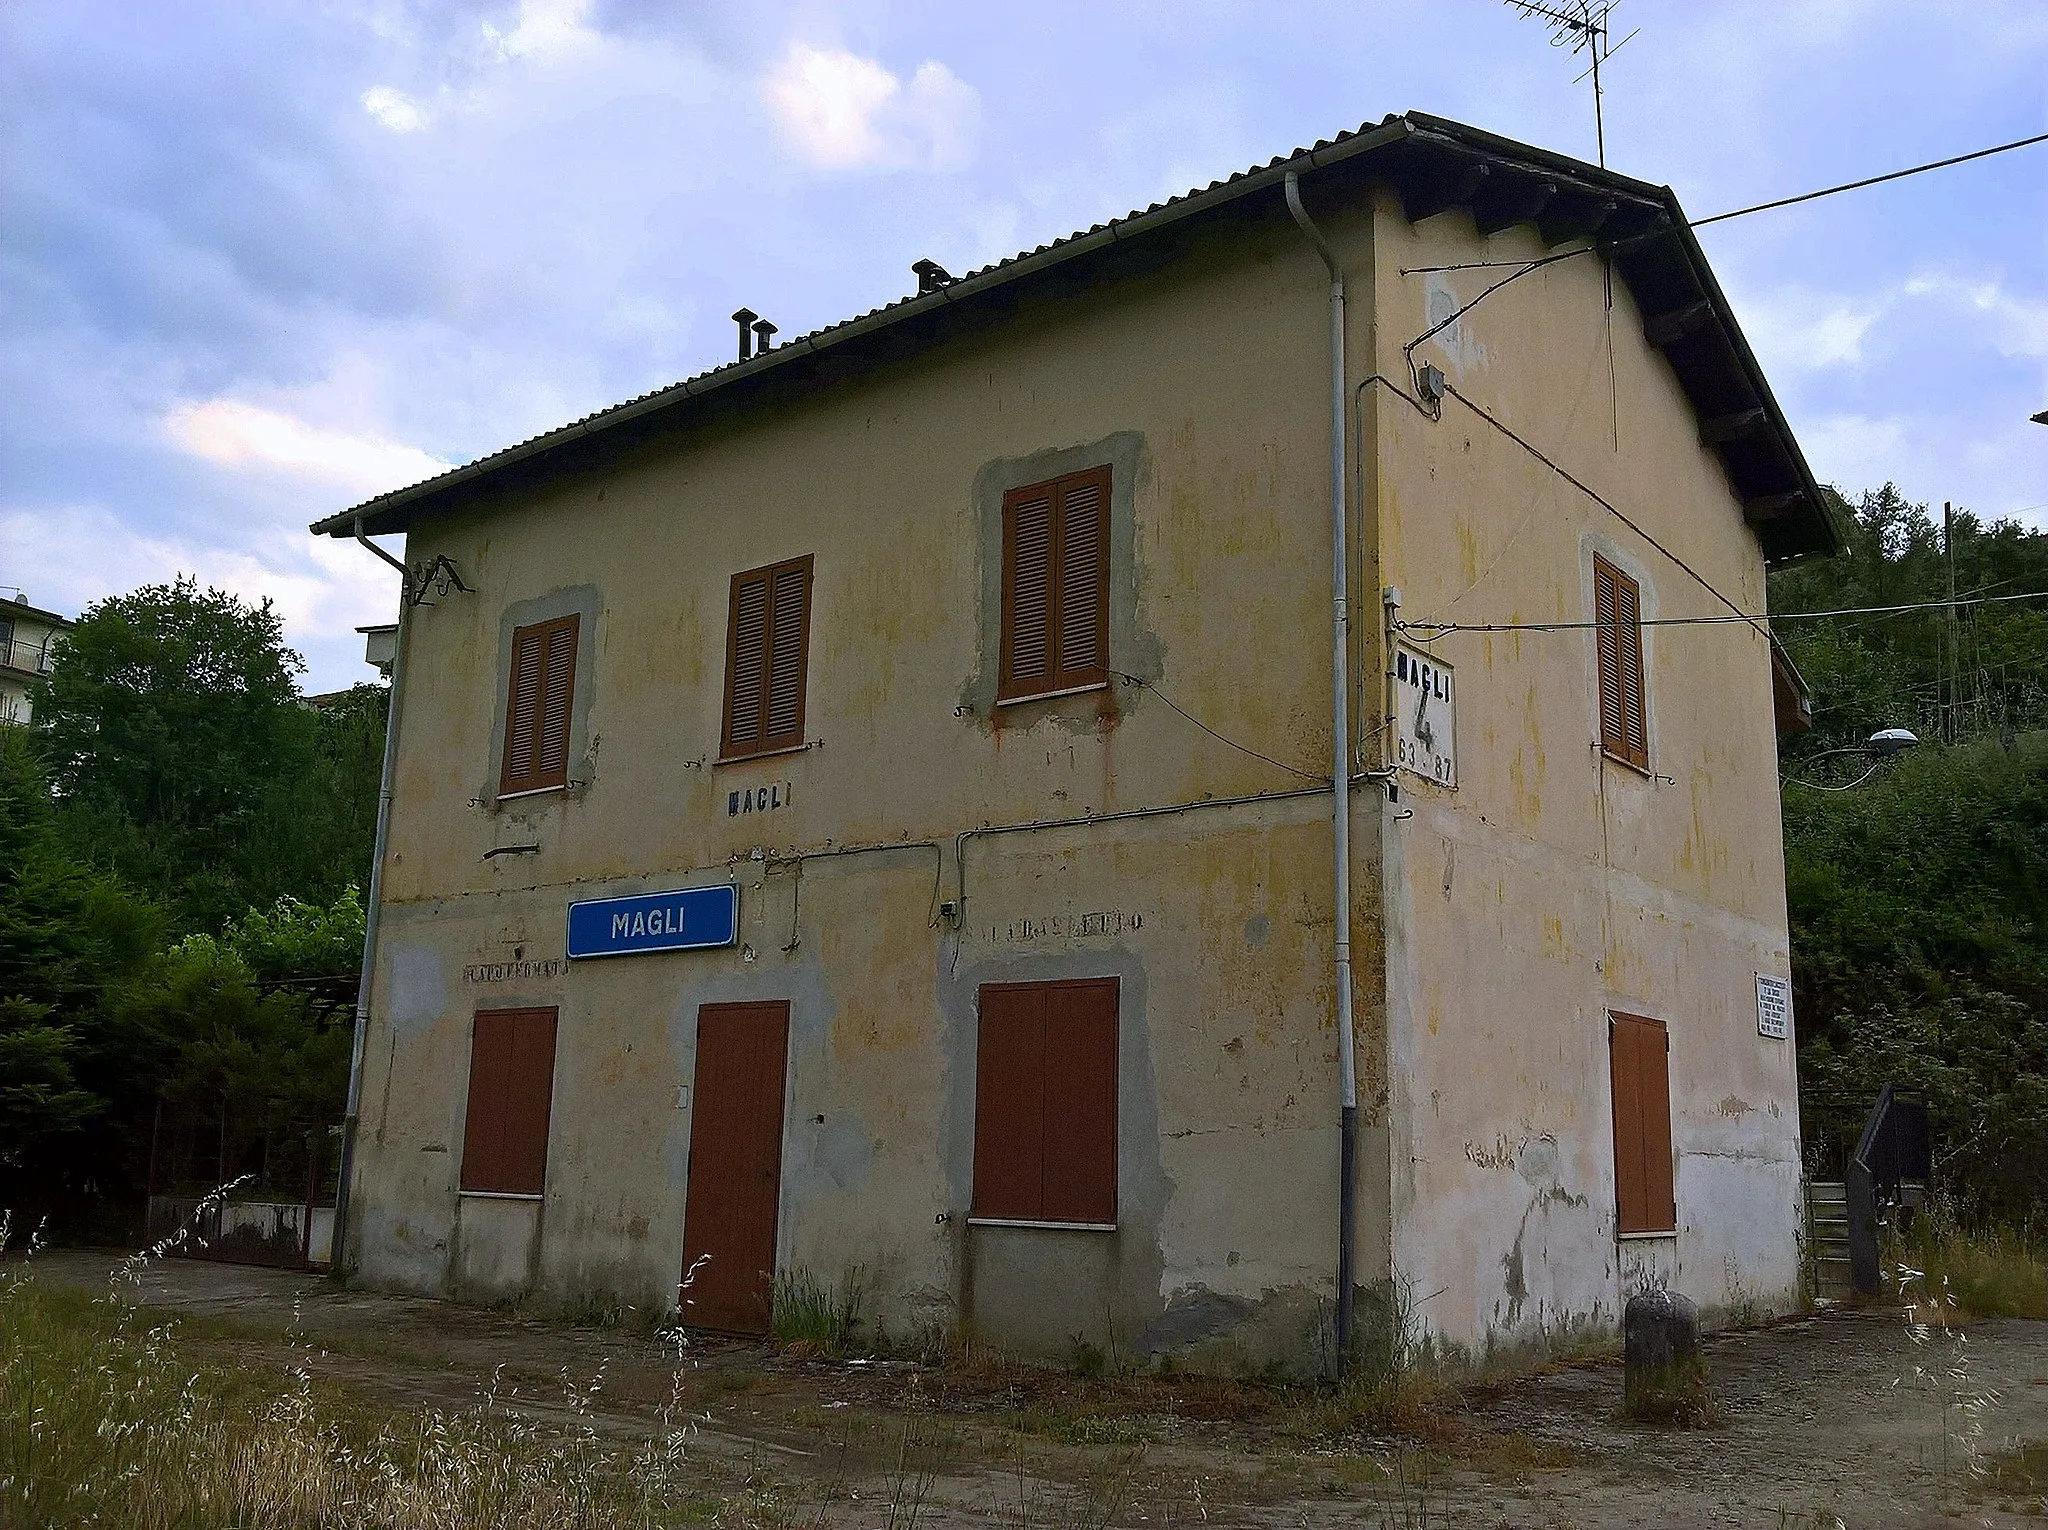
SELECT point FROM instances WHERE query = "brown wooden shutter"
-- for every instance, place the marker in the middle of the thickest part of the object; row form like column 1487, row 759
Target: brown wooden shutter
column 1027, row 664
column 539, row 691
column 1009, row 1103
column 1045, row 1123
column 1640, row 1068
column 1080, row 1102
column 1055, row 618
column 767, row 658
column 1618, row 611
column 511, row 1092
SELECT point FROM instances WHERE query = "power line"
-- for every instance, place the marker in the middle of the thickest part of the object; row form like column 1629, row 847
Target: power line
column 1845, row 786
column 1294, row 770
column 1438, row 629
column 1874, row 180
column 1601, row 500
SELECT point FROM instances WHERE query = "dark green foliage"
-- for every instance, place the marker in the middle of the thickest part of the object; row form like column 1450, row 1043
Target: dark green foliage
column 66, row 934
column 246, row 1069
column 176, row 787
column 1919, row 900
column 39, row 1097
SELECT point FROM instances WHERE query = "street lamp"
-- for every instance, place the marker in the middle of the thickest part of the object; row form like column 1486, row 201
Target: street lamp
column 1883, row 745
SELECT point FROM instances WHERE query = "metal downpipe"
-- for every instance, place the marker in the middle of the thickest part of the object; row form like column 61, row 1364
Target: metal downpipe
column 346, row 1170
column 1340, row 790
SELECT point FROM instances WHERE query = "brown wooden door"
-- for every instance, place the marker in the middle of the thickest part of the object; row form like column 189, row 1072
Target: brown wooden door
column 735, row 1167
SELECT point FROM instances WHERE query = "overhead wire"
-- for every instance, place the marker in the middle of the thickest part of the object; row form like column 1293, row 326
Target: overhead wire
column 1440, row 628
column 1815, row 786
column 1601, row 500
column 1873, row 180
column 1143, row 684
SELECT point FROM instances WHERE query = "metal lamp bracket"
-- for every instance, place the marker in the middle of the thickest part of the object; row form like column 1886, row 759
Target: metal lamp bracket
column 438, row 576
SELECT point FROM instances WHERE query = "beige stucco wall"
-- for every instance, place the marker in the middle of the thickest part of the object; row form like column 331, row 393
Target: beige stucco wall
column 1547, row 889
column 1553, row 885
column 1204, row 386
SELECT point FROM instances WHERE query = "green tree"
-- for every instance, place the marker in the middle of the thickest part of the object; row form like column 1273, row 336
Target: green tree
column 1869, row 672
column 68, row 936
column 185, row 760
column 1919, row 948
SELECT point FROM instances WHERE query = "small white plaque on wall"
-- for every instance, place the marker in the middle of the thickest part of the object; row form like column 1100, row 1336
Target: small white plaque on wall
column 1425, row 717
column 1773, row 1007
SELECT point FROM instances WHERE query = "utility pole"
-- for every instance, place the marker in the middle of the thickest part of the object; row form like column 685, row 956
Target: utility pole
column 1952, row 665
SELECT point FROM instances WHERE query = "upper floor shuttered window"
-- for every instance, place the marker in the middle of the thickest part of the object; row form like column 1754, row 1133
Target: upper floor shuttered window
column 1618, row 611
column 1056, row 586
column 767, row 653
column 542, row 684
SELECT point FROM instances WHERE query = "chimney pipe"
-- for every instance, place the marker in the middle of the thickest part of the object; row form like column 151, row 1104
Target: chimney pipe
column 744, row 318
column 766, row 331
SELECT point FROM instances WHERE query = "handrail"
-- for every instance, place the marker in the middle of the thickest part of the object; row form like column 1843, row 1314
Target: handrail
column 1892, row 1153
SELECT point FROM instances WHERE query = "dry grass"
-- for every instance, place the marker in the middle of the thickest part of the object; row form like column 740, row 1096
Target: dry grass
column 105, row 1420
column 1949, row 1273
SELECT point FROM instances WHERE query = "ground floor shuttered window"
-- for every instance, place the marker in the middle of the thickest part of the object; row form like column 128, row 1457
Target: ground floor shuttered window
column 1640, row 1061
column 1045, row 1097
column 511, row 1090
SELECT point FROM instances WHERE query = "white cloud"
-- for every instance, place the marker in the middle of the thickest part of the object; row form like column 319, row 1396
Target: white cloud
column 236, row 434
column 546, row 28
column 67, row 556
column 395, row 109
column 1853, row 450
column 2020, row 327
column 1802, row 332
column 845, row 112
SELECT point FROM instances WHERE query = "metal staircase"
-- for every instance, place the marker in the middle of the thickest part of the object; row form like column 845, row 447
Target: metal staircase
column 1887, row 1176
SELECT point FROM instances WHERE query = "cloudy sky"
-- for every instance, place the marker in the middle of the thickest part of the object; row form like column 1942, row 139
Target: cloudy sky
column 261, row 260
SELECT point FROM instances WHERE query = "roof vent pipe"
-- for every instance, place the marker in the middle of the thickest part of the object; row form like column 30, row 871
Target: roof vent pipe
column 745, row 319
column 1340, row 789
column 766, row 332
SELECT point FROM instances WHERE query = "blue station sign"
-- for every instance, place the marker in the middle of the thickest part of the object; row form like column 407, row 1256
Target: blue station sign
column 687, row 919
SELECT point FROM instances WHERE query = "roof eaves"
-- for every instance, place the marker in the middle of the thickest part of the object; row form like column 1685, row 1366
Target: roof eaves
column 1831, row 533
column 20, row 608
column 975, row 284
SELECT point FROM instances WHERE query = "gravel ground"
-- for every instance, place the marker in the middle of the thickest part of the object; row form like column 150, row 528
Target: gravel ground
column 1846, row 1418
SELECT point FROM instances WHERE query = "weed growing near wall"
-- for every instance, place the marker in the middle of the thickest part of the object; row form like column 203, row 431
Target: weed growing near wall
column 812, row 1317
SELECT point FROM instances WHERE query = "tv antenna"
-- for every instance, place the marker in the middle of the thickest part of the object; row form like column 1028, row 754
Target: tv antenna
column 1581, row 26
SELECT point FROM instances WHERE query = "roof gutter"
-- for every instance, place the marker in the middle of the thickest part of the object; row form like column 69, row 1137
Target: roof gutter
column 372, row 909
column 1340, row 788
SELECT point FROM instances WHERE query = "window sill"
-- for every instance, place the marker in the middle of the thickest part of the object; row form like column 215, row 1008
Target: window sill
column 765, row 754
column 1644, row 1237
column 1627, row 764
column 1098, row 1227
column 1072, row 690
column 531, row 791
column 500, row 1195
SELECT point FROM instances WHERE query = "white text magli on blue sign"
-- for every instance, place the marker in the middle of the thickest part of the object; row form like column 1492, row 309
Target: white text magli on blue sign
column 687, row 919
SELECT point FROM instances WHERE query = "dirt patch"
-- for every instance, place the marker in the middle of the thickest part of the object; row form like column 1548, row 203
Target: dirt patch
column 1851, row 1416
